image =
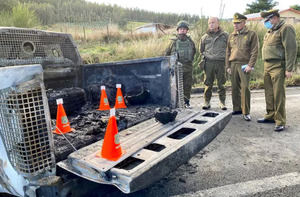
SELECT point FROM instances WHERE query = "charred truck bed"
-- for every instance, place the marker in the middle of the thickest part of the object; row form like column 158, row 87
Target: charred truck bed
column 143, row 88
column 90, row 126
column 41, row 67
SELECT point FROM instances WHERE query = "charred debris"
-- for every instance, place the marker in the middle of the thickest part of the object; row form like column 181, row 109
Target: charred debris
column 90, row 124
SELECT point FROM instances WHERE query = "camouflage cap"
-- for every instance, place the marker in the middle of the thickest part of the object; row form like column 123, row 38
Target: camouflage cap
column 269, row 14
column 182, row 24
column 237, row 18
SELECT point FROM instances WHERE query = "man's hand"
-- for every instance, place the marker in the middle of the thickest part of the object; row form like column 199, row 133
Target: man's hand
column 229, row 70
column 248, row 69
column 288, row 74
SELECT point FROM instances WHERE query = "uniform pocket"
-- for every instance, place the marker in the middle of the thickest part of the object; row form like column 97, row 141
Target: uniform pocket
column 181, row 54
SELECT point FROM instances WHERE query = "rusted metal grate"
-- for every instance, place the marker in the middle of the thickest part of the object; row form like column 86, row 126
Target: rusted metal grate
column 24, row 129
column 25, row 46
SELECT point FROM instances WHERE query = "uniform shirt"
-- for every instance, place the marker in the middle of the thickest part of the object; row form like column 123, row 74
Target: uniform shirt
column 280, row 44
column 213, row 45
column 242, row 47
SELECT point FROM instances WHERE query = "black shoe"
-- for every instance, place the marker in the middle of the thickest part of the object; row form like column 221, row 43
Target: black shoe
column 206, row 105
column 222, row 106
column 236, row 112
column 247, row 117
column 263, row 120
column 279, row 128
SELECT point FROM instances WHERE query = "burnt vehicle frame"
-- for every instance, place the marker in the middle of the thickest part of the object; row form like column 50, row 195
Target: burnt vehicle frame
column 151, row 147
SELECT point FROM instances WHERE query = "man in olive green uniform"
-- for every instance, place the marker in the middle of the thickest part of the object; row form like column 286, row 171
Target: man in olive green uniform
column 213, row 49
column 185, row 49
column 241, row 56
column 279, row 53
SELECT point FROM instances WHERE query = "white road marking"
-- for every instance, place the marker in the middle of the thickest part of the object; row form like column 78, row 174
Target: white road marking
column 249, row 187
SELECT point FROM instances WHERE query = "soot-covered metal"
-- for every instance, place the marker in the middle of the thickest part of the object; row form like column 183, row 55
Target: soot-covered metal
column 90, row 125
column 146, row 83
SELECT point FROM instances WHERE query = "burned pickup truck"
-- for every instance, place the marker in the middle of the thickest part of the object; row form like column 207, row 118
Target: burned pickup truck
column 38, row 67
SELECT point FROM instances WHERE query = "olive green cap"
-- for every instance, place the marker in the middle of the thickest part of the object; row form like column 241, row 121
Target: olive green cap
column 269, row 14
column 237, row 18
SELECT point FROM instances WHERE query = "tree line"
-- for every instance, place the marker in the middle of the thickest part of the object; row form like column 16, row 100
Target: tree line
column 262, row 5
column 30, row 13
column 70, row 11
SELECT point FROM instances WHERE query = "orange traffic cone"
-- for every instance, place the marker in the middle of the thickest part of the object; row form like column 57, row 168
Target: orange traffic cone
column 119, row 98
column 111, row 148
column 62, row 122
column 104, row 105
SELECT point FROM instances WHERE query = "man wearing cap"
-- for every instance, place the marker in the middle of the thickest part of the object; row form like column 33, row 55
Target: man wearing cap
column 241, row 56
column 184, row 47
column 279, row 53
column 213, row 49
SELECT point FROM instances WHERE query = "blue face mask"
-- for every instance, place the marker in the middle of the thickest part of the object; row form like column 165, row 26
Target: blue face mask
column 268, row 24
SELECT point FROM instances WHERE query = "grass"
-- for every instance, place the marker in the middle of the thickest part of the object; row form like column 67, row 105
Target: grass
column 101, row 43
column 6, row 19
column 20, row 16
column 135, row 49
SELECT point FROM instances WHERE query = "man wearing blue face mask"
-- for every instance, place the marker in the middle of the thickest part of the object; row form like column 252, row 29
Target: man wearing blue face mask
column 279, row 53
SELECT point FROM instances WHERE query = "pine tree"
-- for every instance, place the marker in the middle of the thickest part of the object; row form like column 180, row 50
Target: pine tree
column 260, row 5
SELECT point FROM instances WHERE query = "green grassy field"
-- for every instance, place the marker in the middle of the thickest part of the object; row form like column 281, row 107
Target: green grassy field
column 99, row 44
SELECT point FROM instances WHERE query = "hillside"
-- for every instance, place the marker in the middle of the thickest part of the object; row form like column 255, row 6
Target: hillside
column 79, row 11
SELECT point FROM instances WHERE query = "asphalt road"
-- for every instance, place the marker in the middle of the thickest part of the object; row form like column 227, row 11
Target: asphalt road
column 246, row 159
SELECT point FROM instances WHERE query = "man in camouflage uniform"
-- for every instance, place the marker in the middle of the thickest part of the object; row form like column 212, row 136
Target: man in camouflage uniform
column 279, row 53
column 185, row 49
column 213, row 49
column 241, row 56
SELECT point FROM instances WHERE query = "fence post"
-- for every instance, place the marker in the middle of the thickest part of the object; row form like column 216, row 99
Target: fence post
column 107, row 32
column 84, row 35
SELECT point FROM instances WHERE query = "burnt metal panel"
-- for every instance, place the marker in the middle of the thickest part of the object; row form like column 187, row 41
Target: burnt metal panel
column 56, row 52
column 144, row 134
column 25, row 121
column 29, row 46
column 182, row 139
column 151, row 73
